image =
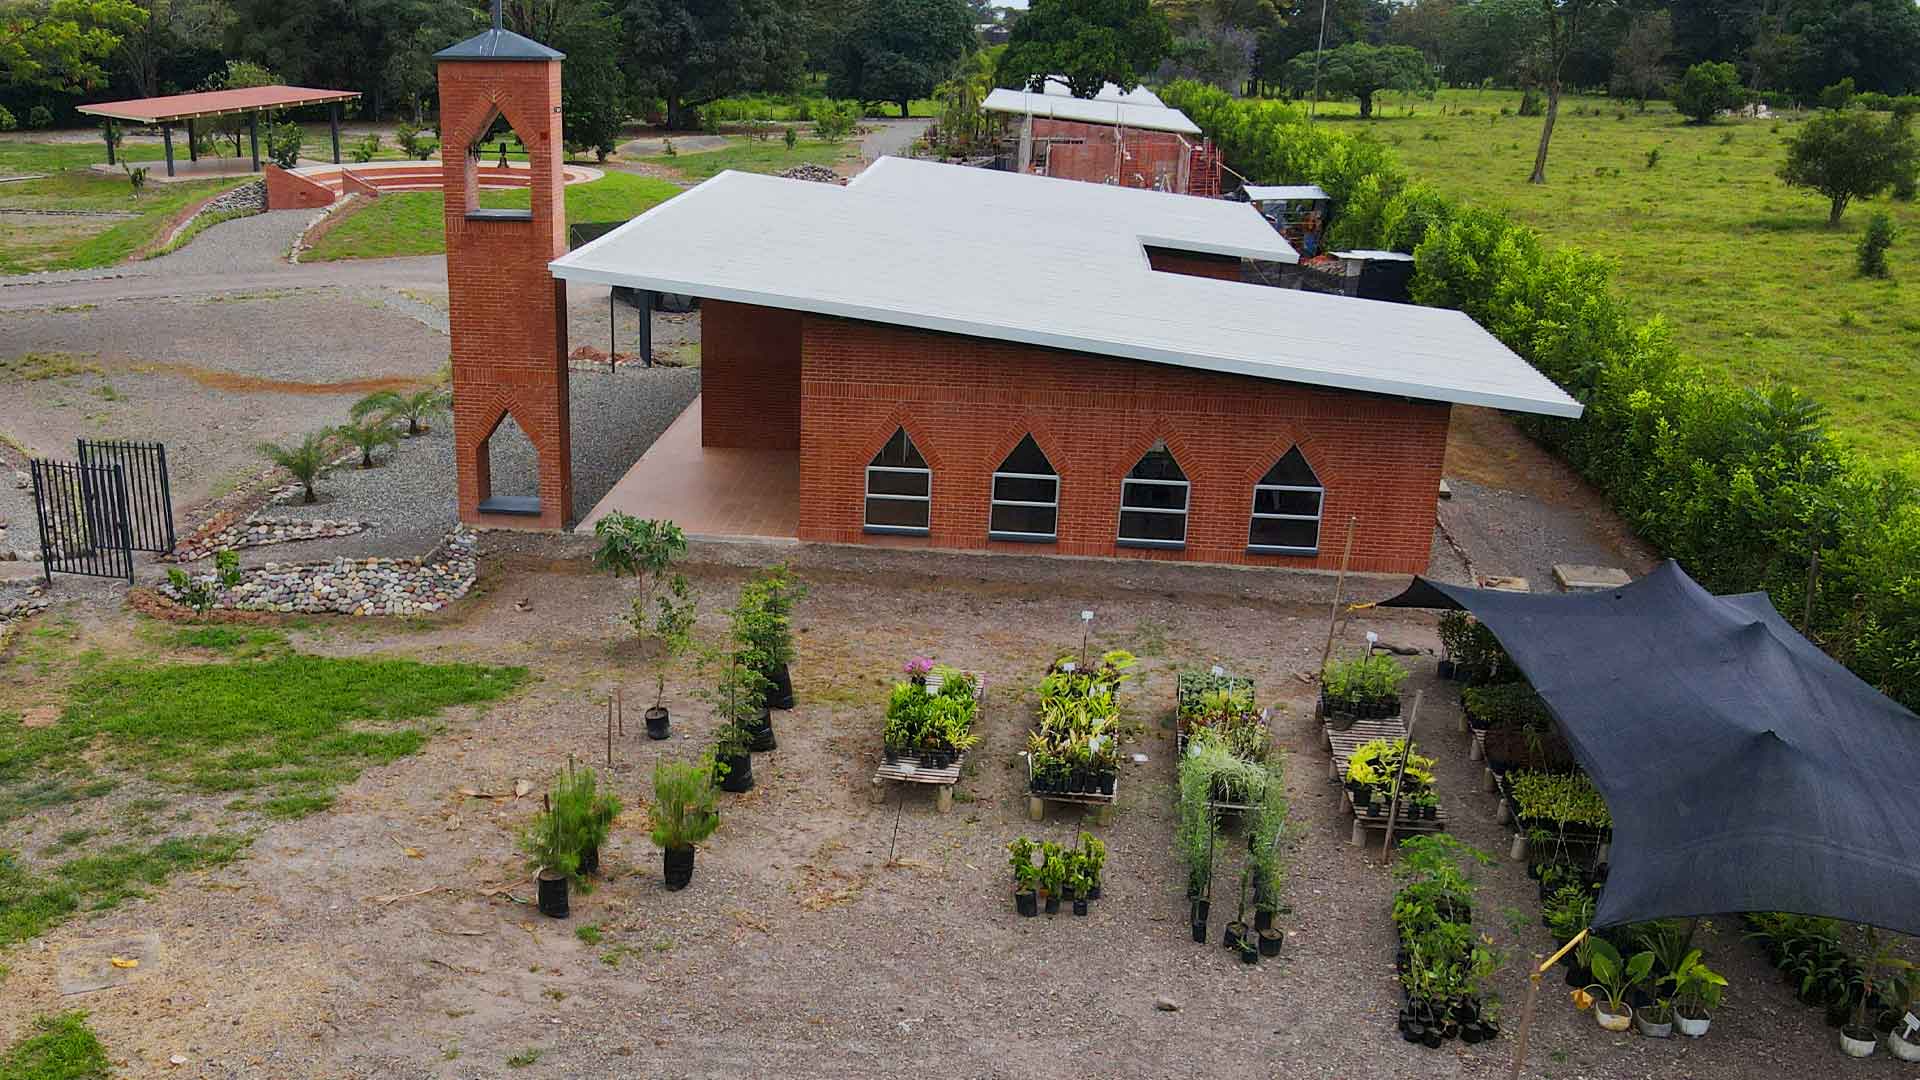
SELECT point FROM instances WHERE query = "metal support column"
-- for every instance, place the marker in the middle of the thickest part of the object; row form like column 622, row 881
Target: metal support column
column 166, row 136
column 193, row 144
column 333, row 125
column 253, row 132
column 110, row 134
column 646, row 328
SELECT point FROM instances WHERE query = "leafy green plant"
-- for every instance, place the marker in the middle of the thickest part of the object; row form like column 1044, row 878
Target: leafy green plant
column 1197, row 824
column 1874, row 242
column 365, row 147
column 1561, row 798
column 1696, row 988
column 736, row 694
column 418, row 408
column 308, row 460
column 1372, row 678
column 833, row 121
column 136, row 178
column 1613, row 976
column 283, row 144
column 411, row 143
column 366, row 437
column 637, row 547
column 671, row 624
column 197, row 593
column 1026, row 875
column 684, row 810
column 763, row 618
column 552, row 843
column 1093, row 859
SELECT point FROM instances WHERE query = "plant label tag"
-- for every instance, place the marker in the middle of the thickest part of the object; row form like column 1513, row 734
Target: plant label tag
column 1141, row 759
column 1913, row 1024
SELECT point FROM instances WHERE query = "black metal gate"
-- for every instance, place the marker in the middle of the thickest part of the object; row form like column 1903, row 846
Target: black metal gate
column 84, row 526
column 149, row 505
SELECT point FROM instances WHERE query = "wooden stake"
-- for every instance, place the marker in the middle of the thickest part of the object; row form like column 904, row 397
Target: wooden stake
column 1339, row 590
column 620, row 710
column 1533, row 995
column 1406, row 755
column 609, row 733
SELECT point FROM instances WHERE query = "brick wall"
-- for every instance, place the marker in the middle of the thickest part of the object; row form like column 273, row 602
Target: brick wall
column 507, row 313
column 749, row 376
column 1141, row 158
column 967, row 402
column 1193, row 263
column 285, row 191
column 351, row 184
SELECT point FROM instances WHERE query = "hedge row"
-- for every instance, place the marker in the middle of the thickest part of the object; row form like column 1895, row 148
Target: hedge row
column 1742, row 485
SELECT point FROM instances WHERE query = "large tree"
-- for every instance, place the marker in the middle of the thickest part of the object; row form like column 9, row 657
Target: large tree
column 1640, row 68
column 592, row 86
column 173, row 29
column 1706, row 89
column 62, row 45
column 692, row 52
column 1359, row 70
column 1089, row 43
column 1564, row 21
column 898, row 50
column 1847, row 155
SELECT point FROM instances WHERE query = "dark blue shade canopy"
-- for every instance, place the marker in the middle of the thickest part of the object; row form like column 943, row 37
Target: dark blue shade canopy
column 1746, row 770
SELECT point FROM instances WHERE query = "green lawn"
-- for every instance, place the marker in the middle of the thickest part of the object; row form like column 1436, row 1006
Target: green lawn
column 21, row 158
column 754, row 155
column 58, row 1048
column 70, row 243
column 787, row 108
column 175, row 751
column 412, row 222
column 1742, row 267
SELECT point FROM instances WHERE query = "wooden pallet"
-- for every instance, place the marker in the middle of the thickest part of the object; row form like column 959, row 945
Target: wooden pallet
column 907, row 769
column 1404, row 826
column 1103, row 803
column 1344, row 743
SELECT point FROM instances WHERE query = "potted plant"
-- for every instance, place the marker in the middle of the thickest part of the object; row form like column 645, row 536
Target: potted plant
column 552, row 846
column 1093, row 856
column 671, row 624
column 763, row 624
column 1696, row 993
column 1026, row 877
column 587, row 812
column 737, row 703
column 1364, row 688
column 1053, row 876
column 1614, row 978
column 917, row 670
column 1079, row 879
column 683, row 814
column 1655, row 1019
column 1238, row 936
column 1194, row 836
column 1857, row 1038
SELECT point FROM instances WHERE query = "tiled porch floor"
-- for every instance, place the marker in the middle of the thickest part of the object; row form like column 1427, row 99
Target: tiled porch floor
column 708, row 491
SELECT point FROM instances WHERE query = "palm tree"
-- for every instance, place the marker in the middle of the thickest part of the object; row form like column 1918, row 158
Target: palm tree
column 418, row 407
column 367, row 436
column 307, row 460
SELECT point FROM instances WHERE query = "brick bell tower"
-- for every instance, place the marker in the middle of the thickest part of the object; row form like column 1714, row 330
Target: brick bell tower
column 507, row 313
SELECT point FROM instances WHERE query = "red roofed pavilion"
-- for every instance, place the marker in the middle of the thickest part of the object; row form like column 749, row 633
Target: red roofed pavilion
column 253, row 100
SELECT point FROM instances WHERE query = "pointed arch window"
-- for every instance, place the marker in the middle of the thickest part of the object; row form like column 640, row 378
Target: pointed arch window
column 899, row 489
column 1286, row 508
column 1153, row 502
column 1026, row 497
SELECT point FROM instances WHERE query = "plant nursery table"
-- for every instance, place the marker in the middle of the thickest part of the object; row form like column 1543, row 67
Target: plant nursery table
column 1404, row 825
column 907, row 768
column 1037, row 802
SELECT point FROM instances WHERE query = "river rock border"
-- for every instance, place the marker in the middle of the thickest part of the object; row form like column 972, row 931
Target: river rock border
column 14, row 613
column 256, row 531
column 356, row 586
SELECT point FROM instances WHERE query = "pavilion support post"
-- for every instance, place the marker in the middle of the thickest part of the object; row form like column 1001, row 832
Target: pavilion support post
column 333, row 127
column 166, row 138
column 646, row 328
column 253, row 135
column 110, row 135
column 193, row 144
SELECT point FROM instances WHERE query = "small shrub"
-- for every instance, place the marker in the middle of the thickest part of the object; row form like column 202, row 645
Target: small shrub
column 792, row 139
column 1707, row 89
column 833, row 121
column 1839, row 95
column 1653, row 157
column 39, row 117
column 1532, row 104
column 666, row 148
column 7, row 122
column 283, row 144
column 136, row 178
column 1874, row 242
column 407, row 137
column 364, row 150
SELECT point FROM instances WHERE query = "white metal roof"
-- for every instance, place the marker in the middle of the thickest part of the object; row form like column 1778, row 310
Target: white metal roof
column 1375, row 255
column 1045, row 203
column 1283, row 192
column 914, row 245
column 1139, row 95
column 1117, row 112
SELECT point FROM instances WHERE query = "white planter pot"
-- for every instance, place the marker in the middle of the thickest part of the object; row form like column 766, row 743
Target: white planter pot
column 1853, row 1047
column 1620, row 1021
column 1690, row 1027
column 1653, row 1029
column 1902, row 1049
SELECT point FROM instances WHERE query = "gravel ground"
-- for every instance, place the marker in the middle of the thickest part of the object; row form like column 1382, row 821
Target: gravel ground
column 890, row 136
column 255, row 242
column 409, row 499
column 824, row 935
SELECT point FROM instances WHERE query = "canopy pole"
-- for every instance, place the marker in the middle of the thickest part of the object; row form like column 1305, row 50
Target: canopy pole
column 613, row 332
column 166, row 137
column 110, row 134
column 333, row 126
column 253, row 134
column 646, row 329
column 1339, row 589
column 193, row 144
column 1406, row 754
column 1533, row 995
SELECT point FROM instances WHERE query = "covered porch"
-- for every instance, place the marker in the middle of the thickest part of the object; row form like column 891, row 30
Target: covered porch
column 710, row 491
column 190, row 109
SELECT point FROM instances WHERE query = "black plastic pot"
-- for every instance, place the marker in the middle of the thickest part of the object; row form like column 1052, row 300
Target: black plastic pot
column 1093, row 893
column 1106, row 783
column 1053, row 904
column 1079, row 905
column 553, row 894
column 590, row 861
column 658, row 723
column 1199, row 933
column 739, row 776
column 1236, row 933
column 781, row 696
column 678, row 864
column 1446, row 669
column 1202, row 909
column 1270, row 942
column 760, row 733
column 1249, row 952
column 1027, row 903
column 1262, row 920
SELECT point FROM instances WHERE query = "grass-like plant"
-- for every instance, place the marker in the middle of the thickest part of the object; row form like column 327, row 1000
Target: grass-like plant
column 684, row 804
column 367, row 436
column 416, row 408
column 308, row 460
